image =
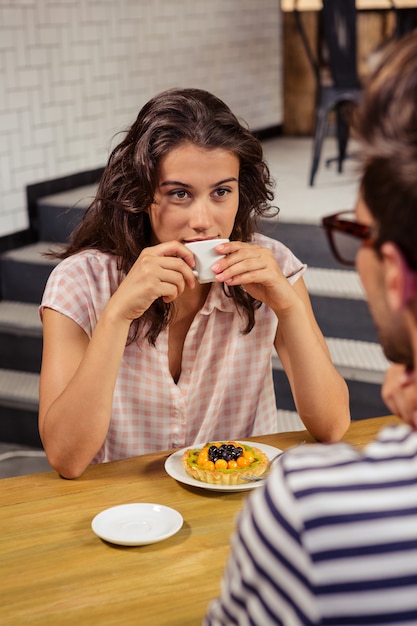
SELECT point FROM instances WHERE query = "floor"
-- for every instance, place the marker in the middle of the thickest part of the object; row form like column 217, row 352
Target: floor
column 289, row 162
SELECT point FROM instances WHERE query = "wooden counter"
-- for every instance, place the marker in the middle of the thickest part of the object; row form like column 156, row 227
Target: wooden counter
column 375, row 25
column 363, row 5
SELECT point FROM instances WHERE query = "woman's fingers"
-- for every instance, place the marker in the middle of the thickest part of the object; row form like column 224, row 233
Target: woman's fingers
column 161, row 271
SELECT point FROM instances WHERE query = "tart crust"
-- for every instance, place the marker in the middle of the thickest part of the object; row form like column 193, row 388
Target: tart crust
column 224, row 476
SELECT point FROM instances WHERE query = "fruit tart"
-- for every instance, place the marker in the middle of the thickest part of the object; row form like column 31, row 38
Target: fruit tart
column 224, row 463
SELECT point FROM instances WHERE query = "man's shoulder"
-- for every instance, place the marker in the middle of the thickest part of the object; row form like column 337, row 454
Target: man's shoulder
column 335, row 466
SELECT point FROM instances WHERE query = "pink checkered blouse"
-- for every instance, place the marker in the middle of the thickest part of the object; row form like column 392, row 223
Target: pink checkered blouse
column 225, row 390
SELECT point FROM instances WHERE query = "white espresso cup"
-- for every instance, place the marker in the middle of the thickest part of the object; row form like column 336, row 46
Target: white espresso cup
column 205, row 256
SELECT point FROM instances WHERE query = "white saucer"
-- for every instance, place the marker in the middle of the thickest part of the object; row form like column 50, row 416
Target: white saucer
column 174, row 467
column 137, row 524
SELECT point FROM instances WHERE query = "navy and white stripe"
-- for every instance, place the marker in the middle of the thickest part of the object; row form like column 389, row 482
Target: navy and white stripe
column 331, row 539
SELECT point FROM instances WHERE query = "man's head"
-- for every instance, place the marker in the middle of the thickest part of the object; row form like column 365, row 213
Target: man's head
column 386, row 127
column 382, row 237
column 385, row 278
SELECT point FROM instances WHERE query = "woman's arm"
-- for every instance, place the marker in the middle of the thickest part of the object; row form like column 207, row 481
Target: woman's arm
column 320, row 393
column 77, row 381
column 79, row 374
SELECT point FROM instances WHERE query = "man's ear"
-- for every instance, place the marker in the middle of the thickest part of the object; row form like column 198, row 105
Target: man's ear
column 400, row 280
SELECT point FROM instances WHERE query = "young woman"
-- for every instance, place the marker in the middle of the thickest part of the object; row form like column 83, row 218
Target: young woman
column 139, row 356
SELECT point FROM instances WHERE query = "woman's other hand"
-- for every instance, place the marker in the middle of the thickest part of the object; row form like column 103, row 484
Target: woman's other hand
column 256, row 270
column 399, row 393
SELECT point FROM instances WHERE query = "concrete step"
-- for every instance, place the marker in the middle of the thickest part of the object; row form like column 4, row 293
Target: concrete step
column 365, row 398
column 20, row 318
column 20, row 336
column 19, row 390
column 339, row 304
column 60, row 213
column 333, row 283
column 347, row 319
column 307, row 241
column 355, row 360
column 19, row 401
column 24, row 272
column 358, row 360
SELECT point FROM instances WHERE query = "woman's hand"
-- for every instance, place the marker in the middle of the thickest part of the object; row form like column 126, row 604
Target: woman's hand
column 399, row 393
column 256, row 270
column 163, row 270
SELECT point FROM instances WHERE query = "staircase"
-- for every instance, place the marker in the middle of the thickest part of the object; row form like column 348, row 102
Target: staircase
column 336, row 296
column 342, row 313
column 23, row 275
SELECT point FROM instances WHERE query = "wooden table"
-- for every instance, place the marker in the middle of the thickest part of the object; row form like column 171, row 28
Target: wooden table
column 55, row 570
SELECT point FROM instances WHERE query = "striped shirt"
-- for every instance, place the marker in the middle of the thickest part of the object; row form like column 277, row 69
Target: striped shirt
column 330, row 539
column 226, row 387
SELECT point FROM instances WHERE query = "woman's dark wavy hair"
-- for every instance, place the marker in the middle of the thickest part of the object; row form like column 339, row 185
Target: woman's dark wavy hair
column 117, row 220
column 386, row 126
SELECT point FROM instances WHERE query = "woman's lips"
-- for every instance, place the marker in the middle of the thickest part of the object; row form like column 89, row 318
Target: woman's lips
column 200, row 239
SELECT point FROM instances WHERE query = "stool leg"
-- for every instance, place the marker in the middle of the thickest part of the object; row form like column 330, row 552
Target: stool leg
column 318, row 142
column 342, row 135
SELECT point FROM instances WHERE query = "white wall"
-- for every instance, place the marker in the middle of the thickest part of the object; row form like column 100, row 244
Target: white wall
column 74, row 72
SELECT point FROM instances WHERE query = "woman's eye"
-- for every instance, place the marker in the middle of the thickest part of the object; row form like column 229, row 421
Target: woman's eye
column 179, row 194
column 221, row 192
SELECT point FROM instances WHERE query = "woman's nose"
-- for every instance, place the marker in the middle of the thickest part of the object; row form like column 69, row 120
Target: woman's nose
column 200, row 218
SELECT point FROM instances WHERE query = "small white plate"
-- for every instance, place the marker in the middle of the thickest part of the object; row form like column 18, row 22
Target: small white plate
column 174, row 467
column 137, row 524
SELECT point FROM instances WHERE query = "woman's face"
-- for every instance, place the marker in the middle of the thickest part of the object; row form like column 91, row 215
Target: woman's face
column 197, row 195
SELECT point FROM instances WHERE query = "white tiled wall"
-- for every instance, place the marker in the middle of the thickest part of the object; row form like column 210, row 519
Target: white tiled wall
column 74, row 72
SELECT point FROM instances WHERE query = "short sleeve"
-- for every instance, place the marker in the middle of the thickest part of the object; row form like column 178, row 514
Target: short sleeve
column 80, row 287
